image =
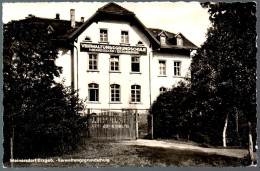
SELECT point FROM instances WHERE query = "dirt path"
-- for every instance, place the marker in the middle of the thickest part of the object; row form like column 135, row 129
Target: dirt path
column 239, row 153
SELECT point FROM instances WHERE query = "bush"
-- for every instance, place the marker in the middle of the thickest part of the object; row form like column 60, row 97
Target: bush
column 40, row 114
column 182, row 114
column 171, row 113
column 53, row 126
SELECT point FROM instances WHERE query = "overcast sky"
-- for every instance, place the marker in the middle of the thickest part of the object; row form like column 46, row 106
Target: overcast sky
column 188, row 18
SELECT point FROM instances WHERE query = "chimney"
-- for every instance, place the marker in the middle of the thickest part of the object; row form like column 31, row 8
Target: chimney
column 57, row 16
column 82, row 19
column 72, row 18
column 30, row 16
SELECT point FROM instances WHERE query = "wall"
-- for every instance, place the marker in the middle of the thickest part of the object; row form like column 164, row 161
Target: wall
column 169, row 80
column 105, row 78
column 124, row 78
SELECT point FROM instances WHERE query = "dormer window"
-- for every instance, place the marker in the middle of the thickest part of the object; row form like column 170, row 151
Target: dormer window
column 50, row 30
column 163, row 37
column 163, row 40
column 179, row 41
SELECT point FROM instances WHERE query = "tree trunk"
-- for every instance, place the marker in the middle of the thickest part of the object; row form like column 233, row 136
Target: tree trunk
column 250, row 144
column 224, row 132
column 238, row 142
column 12, row 147
column 237, row 123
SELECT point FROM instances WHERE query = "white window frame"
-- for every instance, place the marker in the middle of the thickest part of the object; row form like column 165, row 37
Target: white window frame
column 135, row 91
column 163, row 40
column 179, row 41
column 176, row 68
column 135, row 62
column 124, row 37
column 162, row 69
column 93, row 87
column 103, row 37
column 113, row 63
column 113, row 93
column 91, row 62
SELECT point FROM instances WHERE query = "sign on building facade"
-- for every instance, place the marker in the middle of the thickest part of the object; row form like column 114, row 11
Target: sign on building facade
column 116, row 49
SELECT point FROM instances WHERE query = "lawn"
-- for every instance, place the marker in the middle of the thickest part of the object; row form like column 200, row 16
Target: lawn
column 120, row 155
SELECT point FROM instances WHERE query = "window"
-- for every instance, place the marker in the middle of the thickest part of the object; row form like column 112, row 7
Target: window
column 140, row 43
column 135, row 93
column 124, row 37
column 114, row 63
column 93, row 92
column 115, row 93
column 103, row 35
column 162, row 89
column 179, row 40
column 87, row 39
column 163, row 40
column 135, row 64
column 93, row 61
column 50, row 29
column 177, row 68
column 162, row 67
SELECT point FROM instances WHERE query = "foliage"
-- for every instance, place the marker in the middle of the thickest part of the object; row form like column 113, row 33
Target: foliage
column 171, row 114
column 51, row 126
column 223, row 81
column 42, row 113
column 224, row 68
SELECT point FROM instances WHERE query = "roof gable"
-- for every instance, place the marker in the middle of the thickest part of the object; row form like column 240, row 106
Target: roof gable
column 61, row 29
column 107, row 11
column 179, row 35
column 112, row 7
column 115, row 11
column 163, row 33
column 50, row 29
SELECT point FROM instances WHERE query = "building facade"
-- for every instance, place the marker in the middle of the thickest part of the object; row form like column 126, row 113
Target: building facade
column 117, row 63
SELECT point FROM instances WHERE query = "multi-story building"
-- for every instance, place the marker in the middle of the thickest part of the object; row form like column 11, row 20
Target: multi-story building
column 118, row 63
column 115, row 61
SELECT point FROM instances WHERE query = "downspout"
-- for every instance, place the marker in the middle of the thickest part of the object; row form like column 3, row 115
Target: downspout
column 72, row 68
column 109, row 86
column 150, row 89
column 77, row 67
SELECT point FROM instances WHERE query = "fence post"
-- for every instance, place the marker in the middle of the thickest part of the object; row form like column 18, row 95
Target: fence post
column 136, row 124
column 88, row 123
column 151, row 120
column 150, row 125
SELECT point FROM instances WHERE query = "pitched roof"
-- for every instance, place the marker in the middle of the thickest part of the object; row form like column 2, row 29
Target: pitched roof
column 171, row 39
column 157, row 31
column 114, row 11
column 112, row 7
column 61, row 28
column 63, row 31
